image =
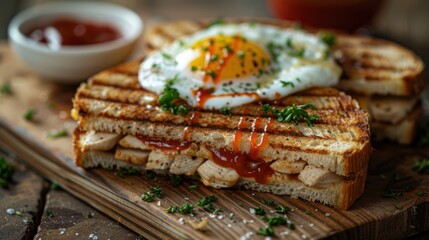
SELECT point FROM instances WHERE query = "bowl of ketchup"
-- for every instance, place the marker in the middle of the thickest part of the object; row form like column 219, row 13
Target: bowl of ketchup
column 70, row 41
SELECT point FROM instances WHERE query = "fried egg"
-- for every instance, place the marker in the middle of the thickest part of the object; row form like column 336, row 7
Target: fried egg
column 234, row 64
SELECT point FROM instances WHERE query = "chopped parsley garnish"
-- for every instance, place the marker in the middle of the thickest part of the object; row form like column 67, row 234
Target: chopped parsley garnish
column 209, row 207
column 217, row 211
column 274, row 221
column 399, row 206
column 274, row 49
column 168, row 57
column 6, row 172
column 193, row 187
column 29, row 114
column 421, row 165
column 55, row 185
column 177, row 180
column 59, row 134
column 225, row 111
column 269, row 202
column 127, row 171
column 420, row 193
column 211, row 73
column 151, row 176
column 206, row 200
column 328, row 38
column 49, row 213
column 90, row 215
column 153, row 192
column 259, row 211
column 240, row 54
column 392, row 194
column 287, row 83
column 266, row 231
column 307, row 212
column 214, row 57
column 194, row 68
column 217, row 21
column 5, row 88
column 293, row 113
column 168, row 97
column 184, row 209
column 281, row 209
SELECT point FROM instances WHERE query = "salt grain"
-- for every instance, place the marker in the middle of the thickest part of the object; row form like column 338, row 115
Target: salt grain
column 268, row 238
column 246, row 236
column 231, row 215
column 252, row 210
column 229, row 225
column 181, row 221
column 10, row 211
column 327, row 214
column 220, row 217
column 285, row 233
column 158, row 203
column 311, row 225
column 303, row 236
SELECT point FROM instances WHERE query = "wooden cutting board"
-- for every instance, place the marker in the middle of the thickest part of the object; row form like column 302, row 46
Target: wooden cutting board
column 371, row 217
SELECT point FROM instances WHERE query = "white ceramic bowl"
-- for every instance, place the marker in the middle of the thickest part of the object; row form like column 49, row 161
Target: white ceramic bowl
column 71, row 64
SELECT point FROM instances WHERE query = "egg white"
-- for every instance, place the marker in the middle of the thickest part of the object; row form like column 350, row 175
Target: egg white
column 311, row 70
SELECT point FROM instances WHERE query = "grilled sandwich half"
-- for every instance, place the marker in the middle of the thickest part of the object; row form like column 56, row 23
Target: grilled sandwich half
column 121, row 124
column 384, row 77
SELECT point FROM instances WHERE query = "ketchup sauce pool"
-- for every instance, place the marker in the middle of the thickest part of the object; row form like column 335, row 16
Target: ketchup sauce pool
column 73, row 32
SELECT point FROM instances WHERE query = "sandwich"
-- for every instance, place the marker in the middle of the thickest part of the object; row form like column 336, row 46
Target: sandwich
column 385, row 78
column 237, row 105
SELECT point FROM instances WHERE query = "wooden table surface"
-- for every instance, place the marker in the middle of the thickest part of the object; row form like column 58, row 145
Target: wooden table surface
column 70, row 218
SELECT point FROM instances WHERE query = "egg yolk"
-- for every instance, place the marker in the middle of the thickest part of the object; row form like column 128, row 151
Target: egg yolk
column 229, row 57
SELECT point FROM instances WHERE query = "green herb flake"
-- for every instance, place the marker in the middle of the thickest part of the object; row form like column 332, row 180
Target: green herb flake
column 281, row 209
column 293, row 113
column 151, row 176
column 177, row 180
column 392, row 194
column 186, row 209
column 195, row 187
column 421, row 165
column 259, row 211
column 225, row 111
column 217, row 21
column 399, row 206
column 172, row 209
column 6, row 172
column 214, row 58
column 90, row 215
column 194, row 68
column 266, row 231
column 328, row 38
column 275, row 221
column 420, row 193
column 307, row 212
column 55, row 185
column 153, row 192
column 168, row 98
column 6, row 89
column 59, row 134
column 127, row 171
column 206, row 200
column 287, row 83
column 49, row 213
column 209, row 207
column 240, row 54
column 269, row 202
column 18, row 213
column 217, row 211
column 29, row 114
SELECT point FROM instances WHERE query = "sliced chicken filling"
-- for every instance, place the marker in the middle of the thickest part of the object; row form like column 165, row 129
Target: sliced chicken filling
column 132, row 150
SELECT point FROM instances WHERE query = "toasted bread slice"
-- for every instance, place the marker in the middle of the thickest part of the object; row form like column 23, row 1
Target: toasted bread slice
column 370, row 66
column 337, row 147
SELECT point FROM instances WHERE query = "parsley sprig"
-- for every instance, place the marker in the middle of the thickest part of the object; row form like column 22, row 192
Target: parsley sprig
column 6, row 172
column 328, row 38
column 421, row 165
column 153, row 192
column 293, row 113
column 168, row 98
column 5, row 88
